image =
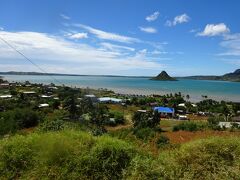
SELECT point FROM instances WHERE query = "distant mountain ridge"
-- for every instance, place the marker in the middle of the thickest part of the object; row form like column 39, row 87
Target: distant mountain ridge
column 60, row 74
column 234, row 76
column 163, row 76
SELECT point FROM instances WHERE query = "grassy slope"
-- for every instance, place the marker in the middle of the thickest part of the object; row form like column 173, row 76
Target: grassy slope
column 78, row 155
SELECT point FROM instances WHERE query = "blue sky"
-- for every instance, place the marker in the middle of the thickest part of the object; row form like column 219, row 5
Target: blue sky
column 121, row 37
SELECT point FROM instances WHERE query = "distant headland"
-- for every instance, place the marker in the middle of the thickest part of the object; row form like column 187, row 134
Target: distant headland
column 234, row 77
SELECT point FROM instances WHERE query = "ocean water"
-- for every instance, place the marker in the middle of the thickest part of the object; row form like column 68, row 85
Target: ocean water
column 219, row 90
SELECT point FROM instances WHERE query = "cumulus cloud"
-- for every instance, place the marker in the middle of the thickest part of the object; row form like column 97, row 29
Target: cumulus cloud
column 148, row 29
column 107, row 35
column 57, row 54
column 78, row 36
column 153, row 16
column 183, row 18
column 214, row 30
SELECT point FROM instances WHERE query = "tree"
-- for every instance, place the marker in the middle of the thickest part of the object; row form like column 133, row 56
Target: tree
column 70, row 105
column 143, row 120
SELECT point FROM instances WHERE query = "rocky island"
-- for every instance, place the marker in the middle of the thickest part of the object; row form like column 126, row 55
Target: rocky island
column 163, row 76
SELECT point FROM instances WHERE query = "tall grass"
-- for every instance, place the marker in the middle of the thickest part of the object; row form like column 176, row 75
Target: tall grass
column 73, row 154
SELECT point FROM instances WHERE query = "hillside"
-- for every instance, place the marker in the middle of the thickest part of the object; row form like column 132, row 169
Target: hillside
column 163, row 76
column 79, row 155
column 234, row 76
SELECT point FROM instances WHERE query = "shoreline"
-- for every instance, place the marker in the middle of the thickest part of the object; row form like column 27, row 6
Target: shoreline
column 137, row 91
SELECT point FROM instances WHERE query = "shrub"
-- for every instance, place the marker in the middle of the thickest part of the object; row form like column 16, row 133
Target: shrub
column 65, row 154
column 144, row 120
column 142, row 167
column 52, row 125
column 188, row 126
column 162, row 141
column 144, row 133
column 214, row 121
column 53, row 122
column 16, row 156
column 18, row 119
column 7, row 126
column 78, row 155
column 119, row 118
column 214, row 158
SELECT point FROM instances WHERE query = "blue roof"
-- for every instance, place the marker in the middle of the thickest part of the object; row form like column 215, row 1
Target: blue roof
column 164, row 109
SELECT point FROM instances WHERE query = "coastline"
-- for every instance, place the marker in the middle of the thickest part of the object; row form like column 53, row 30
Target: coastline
column 131, row 90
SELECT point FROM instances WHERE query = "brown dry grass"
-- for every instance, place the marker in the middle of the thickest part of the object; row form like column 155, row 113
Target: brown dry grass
column 186, row 136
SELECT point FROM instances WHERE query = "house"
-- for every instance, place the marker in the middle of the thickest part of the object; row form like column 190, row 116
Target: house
column 91, row 97
column 142, row 110
column 184, row 105
column 4, row 85
column 43, row 105
column 45, row 96
column 228, row 124
column 182, row 117
column 29, row 92
column 165, row 111
column 109, row 100
column 236, row 118
column 5, row 96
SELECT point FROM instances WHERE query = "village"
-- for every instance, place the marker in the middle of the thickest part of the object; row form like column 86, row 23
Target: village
column 116, row 109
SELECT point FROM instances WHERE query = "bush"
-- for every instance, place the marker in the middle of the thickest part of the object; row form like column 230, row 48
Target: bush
column 162, row 141
column 18, row 119
column 78, row 155
column 214, row 158
column 146, row 120
column 65, row 154
column 189, row 126
column 214, row 121
column 142, row 167
column 53, row 122
column 52, row 125
column 144, row 133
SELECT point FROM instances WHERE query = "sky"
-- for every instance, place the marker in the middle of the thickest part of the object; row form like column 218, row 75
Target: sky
column 121, row 37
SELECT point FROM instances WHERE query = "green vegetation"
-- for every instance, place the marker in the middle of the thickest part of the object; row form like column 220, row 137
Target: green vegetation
column 76, row 137
column 17, row 119
column 163, row 141
column 189, row 126
column 75, row 154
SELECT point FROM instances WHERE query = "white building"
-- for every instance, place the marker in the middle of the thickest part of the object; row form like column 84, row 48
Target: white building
column 43, row 105
column 5, row 96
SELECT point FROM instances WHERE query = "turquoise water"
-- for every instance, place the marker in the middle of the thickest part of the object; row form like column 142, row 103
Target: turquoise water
column 220, row 90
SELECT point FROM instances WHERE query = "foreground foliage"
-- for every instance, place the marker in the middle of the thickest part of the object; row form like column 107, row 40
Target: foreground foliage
column 79, row 155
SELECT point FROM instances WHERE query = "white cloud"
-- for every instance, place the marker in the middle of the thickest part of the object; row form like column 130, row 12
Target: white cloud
column 57, row 54
column 65, row 17
column 108, row 35
column 148, row 29
column 183, row 18
column 194, row 30
column 156, row 52
column 114, row 47
column 214, row 30
column 152, row 17
column 231, row 45
column 231, row 36
column 78, row 36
